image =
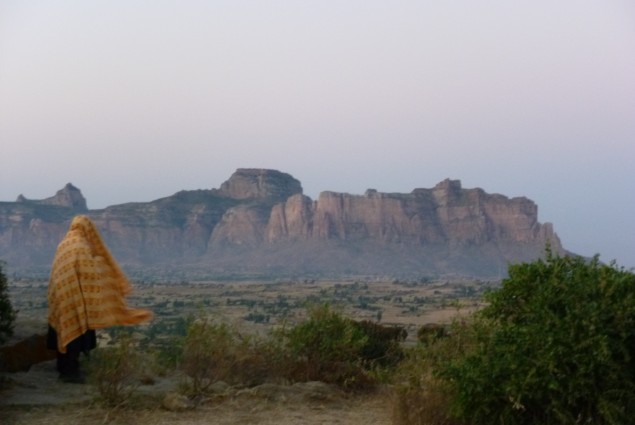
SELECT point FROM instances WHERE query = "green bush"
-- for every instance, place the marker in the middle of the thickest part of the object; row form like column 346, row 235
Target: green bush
column 327, row 347
column 382, row 348
column 7, row 313
column 206, row 354
column 555, row 345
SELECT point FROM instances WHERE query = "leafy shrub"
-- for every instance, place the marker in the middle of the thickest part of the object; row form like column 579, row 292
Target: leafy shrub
column 327, row 347
column 430, row 332
column 206, row 356
column 116, row 371
column 7, row 313
column 382, row 347
column 555, row 345
column 217, row 352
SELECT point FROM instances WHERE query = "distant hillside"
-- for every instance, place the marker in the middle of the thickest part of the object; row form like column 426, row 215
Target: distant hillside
column 259, row 223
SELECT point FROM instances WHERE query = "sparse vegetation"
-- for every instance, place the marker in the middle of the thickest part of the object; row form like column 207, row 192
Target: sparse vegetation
column 247, row 334
column 7, row 313
column 421, row 396
column 326, row 347
column 116, row 371
column 214, row 351
column 555, row 344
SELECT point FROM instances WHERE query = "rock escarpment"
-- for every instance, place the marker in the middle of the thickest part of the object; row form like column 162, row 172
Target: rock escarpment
column 259, row 222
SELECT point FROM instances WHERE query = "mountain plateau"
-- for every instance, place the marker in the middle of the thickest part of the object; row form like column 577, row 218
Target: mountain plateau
column 259, row 223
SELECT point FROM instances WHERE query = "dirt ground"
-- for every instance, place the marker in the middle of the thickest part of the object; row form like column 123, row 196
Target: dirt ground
column 38, row 397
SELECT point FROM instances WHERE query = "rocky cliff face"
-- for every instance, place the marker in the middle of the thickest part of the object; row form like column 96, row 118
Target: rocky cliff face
column 444, row 214
column 259, row 222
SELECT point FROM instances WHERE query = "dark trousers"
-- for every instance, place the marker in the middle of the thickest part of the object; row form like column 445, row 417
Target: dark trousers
column 68, row 363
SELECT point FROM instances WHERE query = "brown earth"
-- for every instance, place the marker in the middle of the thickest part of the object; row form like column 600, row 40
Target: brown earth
column 38, row 397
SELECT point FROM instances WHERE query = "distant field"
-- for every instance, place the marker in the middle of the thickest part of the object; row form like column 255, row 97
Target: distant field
column 257, row 306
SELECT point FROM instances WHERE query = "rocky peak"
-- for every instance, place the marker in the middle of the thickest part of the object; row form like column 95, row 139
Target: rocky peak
column 447, row 191
column 69, row 196
column 260, row 184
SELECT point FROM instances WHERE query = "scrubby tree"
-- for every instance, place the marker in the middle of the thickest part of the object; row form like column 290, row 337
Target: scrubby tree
column 327, row 347
column 7, row 313
column 556, row 345
column 116, row 371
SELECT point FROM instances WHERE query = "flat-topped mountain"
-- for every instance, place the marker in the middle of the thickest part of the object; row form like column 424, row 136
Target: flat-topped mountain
column 259, row 223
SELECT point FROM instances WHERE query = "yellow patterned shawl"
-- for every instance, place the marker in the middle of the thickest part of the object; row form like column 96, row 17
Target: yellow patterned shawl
column 87, row 287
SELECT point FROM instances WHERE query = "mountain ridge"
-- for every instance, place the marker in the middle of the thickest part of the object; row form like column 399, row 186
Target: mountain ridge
column 260, row 222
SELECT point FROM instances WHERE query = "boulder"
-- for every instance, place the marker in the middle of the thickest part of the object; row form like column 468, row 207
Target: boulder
column 20, row 356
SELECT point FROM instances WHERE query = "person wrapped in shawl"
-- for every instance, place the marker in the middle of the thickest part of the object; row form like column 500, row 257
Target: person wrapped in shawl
column 87, row 290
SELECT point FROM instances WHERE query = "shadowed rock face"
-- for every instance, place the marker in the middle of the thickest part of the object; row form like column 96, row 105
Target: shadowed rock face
column 259, row 222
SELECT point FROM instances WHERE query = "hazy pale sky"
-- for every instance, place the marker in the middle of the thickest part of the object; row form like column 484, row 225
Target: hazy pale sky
column 136, row 100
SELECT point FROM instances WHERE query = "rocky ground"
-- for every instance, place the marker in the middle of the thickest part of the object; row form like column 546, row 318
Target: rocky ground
column 38, row 397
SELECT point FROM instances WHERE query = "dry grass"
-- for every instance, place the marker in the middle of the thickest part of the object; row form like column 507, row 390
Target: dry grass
column 361, row 410
column 421, row 405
